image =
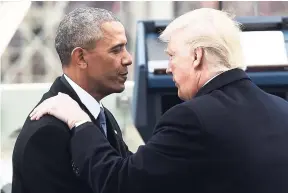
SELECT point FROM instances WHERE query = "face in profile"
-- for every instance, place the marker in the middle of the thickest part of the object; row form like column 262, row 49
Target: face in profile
column 107, row 63
column 184, row 65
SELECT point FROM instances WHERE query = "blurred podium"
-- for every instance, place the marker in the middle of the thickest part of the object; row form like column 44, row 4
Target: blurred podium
column 265, row 44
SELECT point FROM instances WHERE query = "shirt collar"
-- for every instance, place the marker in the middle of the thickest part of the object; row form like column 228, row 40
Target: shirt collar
column 91, row 104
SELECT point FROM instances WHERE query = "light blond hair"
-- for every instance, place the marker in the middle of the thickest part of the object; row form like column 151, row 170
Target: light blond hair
column 213, row 30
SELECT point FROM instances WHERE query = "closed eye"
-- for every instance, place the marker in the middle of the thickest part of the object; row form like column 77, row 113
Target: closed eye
column 169, row 53
column 170, row 56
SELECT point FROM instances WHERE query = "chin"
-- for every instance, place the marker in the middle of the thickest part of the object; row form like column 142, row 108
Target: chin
column 183, row 96
column 180, row 95
column 120, row 89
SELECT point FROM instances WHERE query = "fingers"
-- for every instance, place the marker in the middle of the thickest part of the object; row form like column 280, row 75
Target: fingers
column 41, row 109
column 56, row 106
column 33, row 112
column 48, row 106
column 38, row 112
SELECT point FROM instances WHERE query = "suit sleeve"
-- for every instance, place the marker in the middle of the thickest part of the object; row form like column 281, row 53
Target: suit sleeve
column 45, row 150
column 176, row 137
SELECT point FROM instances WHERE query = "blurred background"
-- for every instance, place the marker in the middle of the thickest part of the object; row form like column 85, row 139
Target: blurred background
column 29, row 62
column 31, row 57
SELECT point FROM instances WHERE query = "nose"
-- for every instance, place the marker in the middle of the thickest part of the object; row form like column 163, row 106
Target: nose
column 127, row 59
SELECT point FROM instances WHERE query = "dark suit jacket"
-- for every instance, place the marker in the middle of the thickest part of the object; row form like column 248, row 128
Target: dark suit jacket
column 232, row 137
column 41, row 159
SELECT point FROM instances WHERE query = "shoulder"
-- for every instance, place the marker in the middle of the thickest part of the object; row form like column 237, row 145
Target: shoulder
column 187, row 109
column 47, row 123
column 41, row 133
column 35, row 134
column 180, row 116
column 188, row 113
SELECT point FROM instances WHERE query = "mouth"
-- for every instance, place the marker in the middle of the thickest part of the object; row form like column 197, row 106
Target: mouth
column 124, row 76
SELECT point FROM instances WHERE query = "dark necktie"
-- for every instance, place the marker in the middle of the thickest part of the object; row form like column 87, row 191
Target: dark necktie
column 102, row 120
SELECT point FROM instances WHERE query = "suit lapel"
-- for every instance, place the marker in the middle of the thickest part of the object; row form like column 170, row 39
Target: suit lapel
column 113, row 132
column 61, row 85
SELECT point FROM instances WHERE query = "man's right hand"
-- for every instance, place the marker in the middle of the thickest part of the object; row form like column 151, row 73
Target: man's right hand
column 63, row 107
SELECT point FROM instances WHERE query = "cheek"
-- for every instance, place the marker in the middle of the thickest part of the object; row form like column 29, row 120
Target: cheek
column 114, row 63
column 181, row 76
column 181, row 72
column 104, row 66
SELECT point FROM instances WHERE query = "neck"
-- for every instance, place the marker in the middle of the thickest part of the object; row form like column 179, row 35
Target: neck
column 83, row 82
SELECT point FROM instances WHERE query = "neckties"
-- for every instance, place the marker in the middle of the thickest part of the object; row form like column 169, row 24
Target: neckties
column 102, row 120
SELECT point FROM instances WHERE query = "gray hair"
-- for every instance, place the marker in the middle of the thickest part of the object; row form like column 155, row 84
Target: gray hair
column 213, row 30
column 80, row 28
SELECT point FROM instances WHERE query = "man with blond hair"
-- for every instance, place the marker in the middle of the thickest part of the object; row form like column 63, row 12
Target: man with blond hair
column 228, row 136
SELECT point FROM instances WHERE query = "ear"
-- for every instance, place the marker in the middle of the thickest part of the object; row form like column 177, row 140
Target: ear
column 77, row 56
column 198, row 57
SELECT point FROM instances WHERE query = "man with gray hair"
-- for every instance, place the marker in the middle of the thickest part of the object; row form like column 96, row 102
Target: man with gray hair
column 229, row 136
column 91, row 44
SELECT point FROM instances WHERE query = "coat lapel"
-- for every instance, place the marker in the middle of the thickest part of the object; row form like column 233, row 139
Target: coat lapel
column 112, row 131
column 222, row 80
column 61, row 85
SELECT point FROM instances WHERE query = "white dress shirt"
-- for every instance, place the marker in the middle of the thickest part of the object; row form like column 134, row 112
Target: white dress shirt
column 91, row 104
